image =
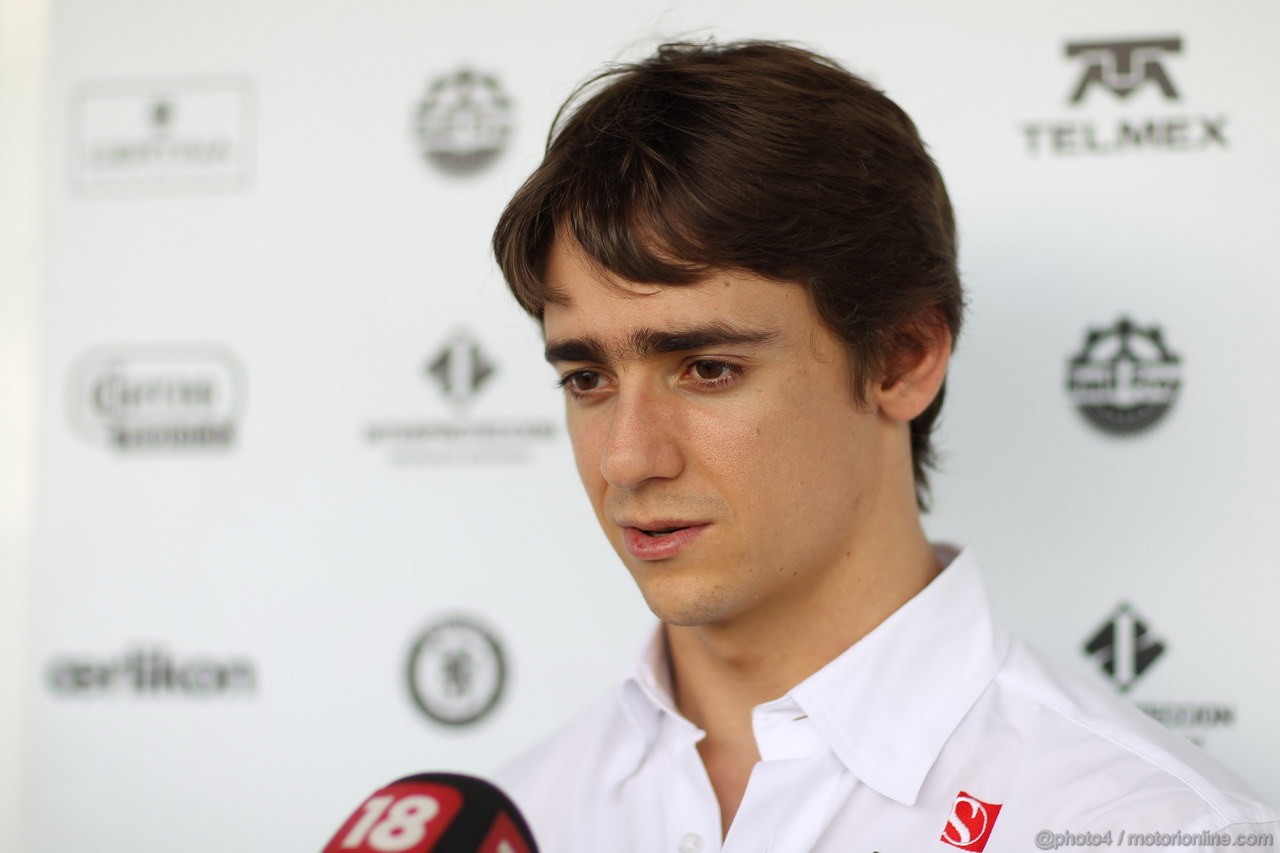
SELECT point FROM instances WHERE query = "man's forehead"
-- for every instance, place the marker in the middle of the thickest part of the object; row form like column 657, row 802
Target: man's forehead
column 575, row 282
column 593, row 315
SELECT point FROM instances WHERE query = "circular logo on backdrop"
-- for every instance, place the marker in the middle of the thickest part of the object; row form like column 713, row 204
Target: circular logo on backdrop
column 1124, row 379
column 464, row 121
column 457, row 671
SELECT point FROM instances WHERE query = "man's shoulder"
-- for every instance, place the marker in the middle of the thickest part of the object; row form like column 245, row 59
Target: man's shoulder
column 1087, row 755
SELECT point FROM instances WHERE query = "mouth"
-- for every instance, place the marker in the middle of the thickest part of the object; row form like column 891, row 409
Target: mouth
column 660, row 539
column 656, row 533
column 659, row 526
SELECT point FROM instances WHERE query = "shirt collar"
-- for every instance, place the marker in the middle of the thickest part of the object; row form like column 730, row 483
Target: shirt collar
column 888, row 703
column 647, row 697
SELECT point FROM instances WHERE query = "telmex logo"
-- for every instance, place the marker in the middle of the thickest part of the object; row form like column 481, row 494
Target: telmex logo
column 158, row 398
column 1120, row 69
column 1123, row 67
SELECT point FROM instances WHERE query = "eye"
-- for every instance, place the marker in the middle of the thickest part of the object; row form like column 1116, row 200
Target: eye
column 580, row 381
column 710, row 371
column 714, row 374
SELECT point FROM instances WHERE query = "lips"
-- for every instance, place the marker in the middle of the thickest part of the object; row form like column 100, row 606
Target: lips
column 660, row 539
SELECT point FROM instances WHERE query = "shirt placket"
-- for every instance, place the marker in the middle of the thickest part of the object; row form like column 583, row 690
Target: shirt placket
column 795, row 789
column 692, row 813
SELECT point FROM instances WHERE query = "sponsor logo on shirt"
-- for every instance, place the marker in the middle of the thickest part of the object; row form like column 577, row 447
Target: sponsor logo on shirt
column 970, row 822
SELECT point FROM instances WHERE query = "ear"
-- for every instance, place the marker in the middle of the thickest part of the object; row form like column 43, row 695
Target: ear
column 915, row 370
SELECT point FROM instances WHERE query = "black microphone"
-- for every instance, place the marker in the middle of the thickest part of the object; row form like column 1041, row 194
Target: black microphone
column 435, row 813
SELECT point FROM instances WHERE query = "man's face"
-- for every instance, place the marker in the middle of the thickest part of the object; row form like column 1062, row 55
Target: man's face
column 721, row 411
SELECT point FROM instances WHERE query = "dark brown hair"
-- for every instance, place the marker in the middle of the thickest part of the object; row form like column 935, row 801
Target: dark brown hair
column 757, row 156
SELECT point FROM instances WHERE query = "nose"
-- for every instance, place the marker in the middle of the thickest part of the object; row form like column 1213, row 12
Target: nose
column 643, row 442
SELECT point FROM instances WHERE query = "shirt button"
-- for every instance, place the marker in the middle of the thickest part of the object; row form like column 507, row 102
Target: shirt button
column 691, row 843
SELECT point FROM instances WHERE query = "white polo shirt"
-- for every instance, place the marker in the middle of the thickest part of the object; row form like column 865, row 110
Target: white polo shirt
column 936, row 731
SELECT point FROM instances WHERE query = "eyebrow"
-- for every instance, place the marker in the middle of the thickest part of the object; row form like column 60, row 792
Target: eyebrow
column 645, row 343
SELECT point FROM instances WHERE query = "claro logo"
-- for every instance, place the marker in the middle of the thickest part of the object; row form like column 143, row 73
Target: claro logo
column 158, row 399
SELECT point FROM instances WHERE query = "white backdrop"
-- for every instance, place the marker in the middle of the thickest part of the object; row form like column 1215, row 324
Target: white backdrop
column 22, row 53
column 291, row 422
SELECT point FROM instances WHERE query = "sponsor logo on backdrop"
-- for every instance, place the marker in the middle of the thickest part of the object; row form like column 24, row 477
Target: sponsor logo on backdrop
column 1124, row 379
column 1126, row 101
column 464, row 121
column 1125, row 648
column 461, row 368
column 158, row 399
column 458, row 375
column 162, row 134
column 151, row 671
column 1122, row 67
column 457, row 671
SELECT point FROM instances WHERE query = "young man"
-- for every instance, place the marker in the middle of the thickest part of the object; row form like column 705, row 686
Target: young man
column 744, row 264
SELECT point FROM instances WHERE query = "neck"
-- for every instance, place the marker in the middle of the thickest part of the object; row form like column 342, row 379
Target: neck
column 721, row 671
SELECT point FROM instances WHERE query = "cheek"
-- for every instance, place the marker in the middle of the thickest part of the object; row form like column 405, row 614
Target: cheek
column 794, row 461
column 741, row 449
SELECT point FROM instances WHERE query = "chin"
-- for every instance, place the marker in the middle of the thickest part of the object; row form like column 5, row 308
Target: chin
column 688, row 608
